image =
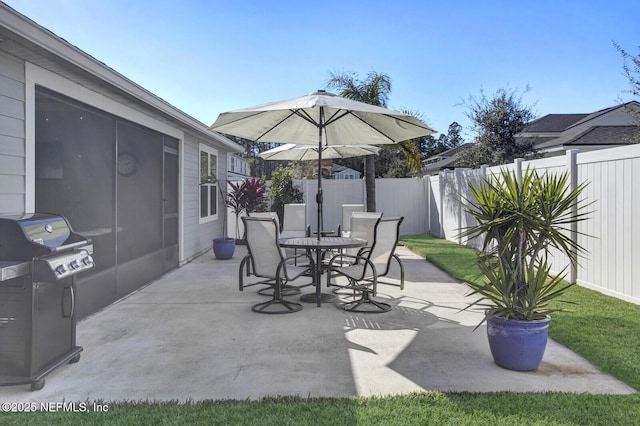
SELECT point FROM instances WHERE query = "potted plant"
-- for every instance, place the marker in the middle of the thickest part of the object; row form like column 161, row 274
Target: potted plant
column 224, row 247
column 518, row 222
column 248, row 196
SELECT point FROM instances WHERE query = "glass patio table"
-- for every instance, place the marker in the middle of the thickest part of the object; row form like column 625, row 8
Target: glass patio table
column 320, row 245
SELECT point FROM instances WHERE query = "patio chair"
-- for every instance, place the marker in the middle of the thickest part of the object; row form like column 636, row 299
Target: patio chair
column 273, row 215
column 362, row 225
column 362, row 274
column 294, row 224
column 269, row 262
column 294, row 221
column 347, row 209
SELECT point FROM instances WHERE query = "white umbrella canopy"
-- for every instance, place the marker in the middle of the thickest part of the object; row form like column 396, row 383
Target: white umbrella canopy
column 294, row 152
column 322, row 119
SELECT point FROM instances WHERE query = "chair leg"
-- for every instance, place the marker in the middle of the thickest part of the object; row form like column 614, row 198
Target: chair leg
column 395, row 256
column 277, row 305
column 244, row 261
column 286, row 291
column 366, row 304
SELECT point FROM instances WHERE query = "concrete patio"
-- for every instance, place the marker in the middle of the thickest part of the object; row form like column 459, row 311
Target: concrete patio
column 192, row 336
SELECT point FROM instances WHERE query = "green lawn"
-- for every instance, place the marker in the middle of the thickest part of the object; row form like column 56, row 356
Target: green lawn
column 604, row 330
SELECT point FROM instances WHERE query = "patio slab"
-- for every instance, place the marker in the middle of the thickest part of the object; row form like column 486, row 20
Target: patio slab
column 192, row 336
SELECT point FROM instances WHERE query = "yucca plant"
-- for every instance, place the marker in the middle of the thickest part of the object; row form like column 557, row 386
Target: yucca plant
column 518, row 223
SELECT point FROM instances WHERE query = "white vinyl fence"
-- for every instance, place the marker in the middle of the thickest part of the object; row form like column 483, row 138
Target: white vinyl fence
column 433, row 205
column 611, row 236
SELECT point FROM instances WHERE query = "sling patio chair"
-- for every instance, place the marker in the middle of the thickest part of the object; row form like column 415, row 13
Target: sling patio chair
column 365, row 268
column 267, row 291
column 362, row 225
column 269, row 262
column 347, row 211
column 294, row 224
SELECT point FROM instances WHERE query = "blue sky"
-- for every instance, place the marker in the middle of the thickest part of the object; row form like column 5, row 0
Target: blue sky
column 207, row 57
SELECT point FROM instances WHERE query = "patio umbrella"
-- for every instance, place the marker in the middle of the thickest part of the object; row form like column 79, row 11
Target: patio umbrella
column 294, row 152
column 322, row 119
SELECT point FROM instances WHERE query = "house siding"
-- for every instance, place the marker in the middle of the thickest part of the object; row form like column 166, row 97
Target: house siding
column 198, row 237
column 12, row 148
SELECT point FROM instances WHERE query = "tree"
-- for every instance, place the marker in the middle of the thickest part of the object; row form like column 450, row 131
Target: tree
column 374, row 90
column 631, row 69
column 283, row 191
column 496, row 121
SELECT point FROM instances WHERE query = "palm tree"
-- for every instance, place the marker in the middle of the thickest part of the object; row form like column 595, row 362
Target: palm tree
column 374, row 90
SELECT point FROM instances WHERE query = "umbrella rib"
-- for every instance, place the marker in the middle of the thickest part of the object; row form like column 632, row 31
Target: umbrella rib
column 378, row 130
column 275, row 125
column 304, row 115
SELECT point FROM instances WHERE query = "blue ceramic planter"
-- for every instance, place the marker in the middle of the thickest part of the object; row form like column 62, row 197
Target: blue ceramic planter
column 517, row 345
column 223, row 248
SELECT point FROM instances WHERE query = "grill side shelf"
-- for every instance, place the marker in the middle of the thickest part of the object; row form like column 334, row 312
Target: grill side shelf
column 11, row 269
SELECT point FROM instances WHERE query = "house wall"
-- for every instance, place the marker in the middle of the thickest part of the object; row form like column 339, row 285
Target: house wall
column 18, row 80
column 12, row 136
column 198, row 237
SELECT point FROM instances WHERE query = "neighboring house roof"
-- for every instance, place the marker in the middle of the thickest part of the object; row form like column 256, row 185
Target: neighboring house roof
column 555, row 133
column 553, row 123
column 444, row 160
column 632, row 104
column 608, row 127
column 20, row 35
column 605, row 136
column 337, row 168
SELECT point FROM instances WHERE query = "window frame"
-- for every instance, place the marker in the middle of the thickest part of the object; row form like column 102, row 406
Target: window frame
column 213, row 186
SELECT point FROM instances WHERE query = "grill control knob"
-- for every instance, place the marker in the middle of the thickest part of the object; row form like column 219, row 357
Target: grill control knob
column 87, row 260
column 62, row 268
column 75, row 264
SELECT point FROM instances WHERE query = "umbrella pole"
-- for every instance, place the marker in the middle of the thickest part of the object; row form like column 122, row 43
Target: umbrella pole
column 319, row 197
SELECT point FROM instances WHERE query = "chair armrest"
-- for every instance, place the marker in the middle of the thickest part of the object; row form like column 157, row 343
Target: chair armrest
column 348, row 256
column 283, row 265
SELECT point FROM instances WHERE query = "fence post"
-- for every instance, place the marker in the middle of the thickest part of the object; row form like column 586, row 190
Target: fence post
column 572, row 168
column 441, row 179
column 427, row 192
column 457, row 177
column 518, row 169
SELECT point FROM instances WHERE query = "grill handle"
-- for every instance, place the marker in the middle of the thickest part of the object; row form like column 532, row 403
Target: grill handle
column 68, row 246
column 70, row 295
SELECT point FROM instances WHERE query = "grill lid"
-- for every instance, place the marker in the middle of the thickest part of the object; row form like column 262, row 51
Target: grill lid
column 50, row 231
column 26, row 236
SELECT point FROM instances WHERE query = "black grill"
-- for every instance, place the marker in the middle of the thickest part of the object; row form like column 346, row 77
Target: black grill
column 40, row 256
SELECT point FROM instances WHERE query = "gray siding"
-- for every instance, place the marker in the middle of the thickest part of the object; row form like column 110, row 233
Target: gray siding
column 198, row 237
column 12, row 138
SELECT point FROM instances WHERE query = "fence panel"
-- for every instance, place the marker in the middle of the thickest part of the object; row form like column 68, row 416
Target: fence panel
column 394, row 197
column 404, row 197
column 612, row 263
column 611, row 236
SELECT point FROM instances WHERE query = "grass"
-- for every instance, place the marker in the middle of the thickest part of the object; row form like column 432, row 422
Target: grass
column 414, row 409
column 603, row 329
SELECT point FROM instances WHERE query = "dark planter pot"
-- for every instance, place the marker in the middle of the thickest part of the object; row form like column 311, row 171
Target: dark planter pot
column 223, row 248
column 517, row 345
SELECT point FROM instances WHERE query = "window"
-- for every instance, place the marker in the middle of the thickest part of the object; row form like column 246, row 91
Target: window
column 208, row 184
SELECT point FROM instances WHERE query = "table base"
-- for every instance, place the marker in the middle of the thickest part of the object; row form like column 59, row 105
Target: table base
column 312, row 298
